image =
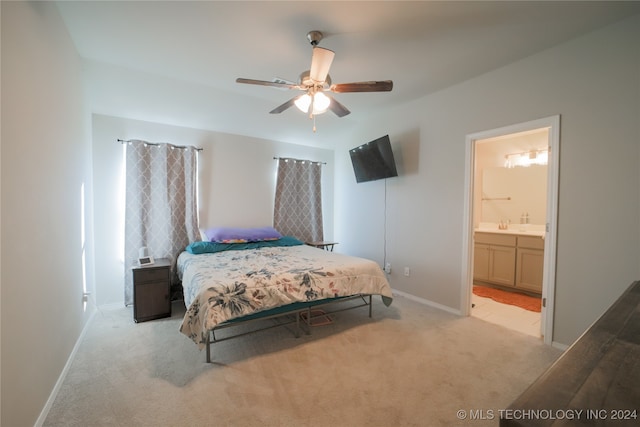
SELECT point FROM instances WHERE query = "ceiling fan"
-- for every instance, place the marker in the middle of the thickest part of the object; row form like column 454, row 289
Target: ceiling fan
column 316, row 81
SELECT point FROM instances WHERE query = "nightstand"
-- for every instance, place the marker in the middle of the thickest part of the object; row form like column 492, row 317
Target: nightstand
column 152, row 291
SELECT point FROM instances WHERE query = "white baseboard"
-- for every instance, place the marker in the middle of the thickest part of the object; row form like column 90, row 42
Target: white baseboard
column 559, row 345
column 554, row 344
column 63, row 374
column 427, row 302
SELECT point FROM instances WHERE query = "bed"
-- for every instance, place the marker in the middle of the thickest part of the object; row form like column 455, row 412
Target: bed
column 228, row 283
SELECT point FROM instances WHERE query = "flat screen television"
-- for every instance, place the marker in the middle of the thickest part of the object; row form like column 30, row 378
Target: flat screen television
column 373, row 160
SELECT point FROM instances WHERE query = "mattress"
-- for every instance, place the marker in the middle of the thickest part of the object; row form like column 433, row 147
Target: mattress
column 219, row 287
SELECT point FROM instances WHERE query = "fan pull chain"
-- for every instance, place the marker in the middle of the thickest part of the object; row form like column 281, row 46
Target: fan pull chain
column 314, row 124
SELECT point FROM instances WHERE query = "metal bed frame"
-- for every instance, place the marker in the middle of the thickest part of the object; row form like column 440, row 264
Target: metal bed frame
column 287, row 318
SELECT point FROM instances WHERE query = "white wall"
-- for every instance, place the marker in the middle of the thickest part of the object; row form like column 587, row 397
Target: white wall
column 237, row 177
column 593, row 82
column 45, row 162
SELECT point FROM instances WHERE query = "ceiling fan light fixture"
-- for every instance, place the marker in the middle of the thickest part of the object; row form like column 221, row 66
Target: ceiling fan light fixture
column 303, row 102
column 320, row 103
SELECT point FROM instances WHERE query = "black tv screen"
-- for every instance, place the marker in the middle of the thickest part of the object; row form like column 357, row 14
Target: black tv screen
column 373, row 160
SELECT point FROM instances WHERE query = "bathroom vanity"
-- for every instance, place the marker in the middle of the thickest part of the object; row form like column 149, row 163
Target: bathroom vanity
column 510, row 258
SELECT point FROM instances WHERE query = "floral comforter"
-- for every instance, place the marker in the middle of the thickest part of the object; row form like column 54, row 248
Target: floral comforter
column 227, row 285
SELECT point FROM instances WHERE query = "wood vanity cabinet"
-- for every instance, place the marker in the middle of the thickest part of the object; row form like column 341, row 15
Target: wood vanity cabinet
column 495, row 258
column 509, row 260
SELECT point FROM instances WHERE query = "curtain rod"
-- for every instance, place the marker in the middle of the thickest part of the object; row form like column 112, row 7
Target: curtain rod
column 298, row 160
column 155, row 144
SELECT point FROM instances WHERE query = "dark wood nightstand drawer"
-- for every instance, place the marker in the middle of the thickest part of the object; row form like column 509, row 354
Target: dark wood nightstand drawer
column 151, row 274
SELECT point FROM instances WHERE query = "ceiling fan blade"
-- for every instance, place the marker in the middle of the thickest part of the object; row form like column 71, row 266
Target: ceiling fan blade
column 337, row 108
column 267, row 83
column 320, row 64
column 282, row 80
column 375, row 86
column 284, row 106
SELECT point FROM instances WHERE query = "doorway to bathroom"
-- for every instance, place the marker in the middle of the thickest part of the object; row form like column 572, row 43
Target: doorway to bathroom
column 510, row 227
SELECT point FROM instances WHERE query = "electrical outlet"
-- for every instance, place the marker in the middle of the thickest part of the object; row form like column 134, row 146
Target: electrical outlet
column 387, row 268
column 407, row 271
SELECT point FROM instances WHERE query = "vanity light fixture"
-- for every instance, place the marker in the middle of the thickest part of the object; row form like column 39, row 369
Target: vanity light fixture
column 527, row 158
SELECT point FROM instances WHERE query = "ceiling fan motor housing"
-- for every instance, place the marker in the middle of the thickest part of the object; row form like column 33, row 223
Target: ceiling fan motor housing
column 306, row 80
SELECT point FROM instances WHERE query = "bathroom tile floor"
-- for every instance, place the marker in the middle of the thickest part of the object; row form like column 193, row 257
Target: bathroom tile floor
column 509, row 316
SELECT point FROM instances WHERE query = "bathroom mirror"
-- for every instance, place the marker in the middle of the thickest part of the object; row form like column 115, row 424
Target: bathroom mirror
column 507, row 193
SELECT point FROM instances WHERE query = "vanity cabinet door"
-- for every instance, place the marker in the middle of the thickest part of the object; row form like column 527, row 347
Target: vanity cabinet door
column 530, row 265
column 502, row 261
column 481, row 262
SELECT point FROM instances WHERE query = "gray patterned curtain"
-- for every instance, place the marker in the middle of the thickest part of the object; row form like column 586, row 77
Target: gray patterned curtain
column 161, row 204
column 298, row 203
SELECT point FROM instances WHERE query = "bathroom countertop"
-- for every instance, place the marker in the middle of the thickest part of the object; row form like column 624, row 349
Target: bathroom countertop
column 513, row 229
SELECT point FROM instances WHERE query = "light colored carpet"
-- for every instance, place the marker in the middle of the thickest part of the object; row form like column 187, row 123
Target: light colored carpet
column 411, row 365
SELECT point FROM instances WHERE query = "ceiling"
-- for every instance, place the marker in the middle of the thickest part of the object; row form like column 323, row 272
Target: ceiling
column 176, row 62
